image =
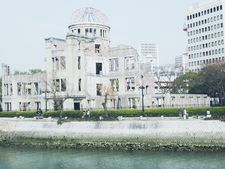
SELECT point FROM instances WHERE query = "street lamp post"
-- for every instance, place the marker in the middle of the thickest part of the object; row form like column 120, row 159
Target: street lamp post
column 142, row 94
column 46, row 100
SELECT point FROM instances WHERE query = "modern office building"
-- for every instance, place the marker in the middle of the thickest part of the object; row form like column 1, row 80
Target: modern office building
column 149, row 53
column 205, row 31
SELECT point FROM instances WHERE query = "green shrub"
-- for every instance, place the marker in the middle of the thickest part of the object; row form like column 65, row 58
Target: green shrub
column 216, row 112
column 7, row 114
column 70, row 114
column 52, row 114
column 17, row 114
column 26, row 114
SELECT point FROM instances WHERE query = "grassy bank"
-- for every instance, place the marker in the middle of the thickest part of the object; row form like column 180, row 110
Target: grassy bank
column 216, row 112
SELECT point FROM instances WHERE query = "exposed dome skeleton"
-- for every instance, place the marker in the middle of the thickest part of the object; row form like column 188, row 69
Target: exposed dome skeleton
column 89, row 15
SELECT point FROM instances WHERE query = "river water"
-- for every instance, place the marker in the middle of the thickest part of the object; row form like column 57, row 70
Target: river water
column 18, row 158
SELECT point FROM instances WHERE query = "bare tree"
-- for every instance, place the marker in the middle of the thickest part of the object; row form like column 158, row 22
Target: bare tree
column 107, row 91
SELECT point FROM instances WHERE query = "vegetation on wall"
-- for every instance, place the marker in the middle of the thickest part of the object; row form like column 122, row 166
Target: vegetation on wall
column 30, row 72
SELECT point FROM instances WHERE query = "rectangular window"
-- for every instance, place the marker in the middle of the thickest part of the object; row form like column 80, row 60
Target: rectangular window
column 6, row 87
column 86, row 31
column 28, row 88
column 98, row 68
column 78, row 61
column 130, row 84
column 129, row 63
column 36, row 90
column 8, row 106
column 79, row 85
column 113, row 64
column 57, row 63
column 114, row 85
column 19, row 88
column 63, row 62
column 11, row 89
column 99, row 89
column 57, row 85
column 97, row 48
column 63, row 85
column 101, row 32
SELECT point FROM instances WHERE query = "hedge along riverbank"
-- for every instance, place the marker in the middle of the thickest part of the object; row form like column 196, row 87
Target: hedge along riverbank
column 18, row 114
column 217, row 113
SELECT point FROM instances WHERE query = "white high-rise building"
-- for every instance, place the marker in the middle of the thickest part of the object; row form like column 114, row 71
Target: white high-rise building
column 205, row 31
column 149, row 53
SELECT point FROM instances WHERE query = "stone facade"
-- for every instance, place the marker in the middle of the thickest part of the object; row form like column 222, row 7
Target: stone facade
column 83, row 72
column 180, row 100
column 22, row 92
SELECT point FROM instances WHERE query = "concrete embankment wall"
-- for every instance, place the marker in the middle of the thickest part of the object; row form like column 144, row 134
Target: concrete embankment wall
column 130, row 135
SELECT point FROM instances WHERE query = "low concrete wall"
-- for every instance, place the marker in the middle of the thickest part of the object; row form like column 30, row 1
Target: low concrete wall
column 152, row 132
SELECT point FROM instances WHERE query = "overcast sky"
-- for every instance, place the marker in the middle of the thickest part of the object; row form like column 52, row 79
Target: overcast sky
column 24, row 25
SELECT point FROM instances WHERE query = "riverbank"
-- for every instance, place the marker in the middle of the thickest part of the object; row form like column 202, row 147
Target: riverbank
column 169, row 134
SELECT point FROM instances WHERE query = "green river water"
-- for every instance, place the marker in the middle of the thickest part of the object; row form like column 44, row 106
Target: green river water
column 18, row 158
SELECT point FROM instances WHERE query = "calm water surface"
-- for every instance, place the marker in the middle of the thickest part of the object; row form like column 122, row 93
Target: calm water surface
column 16, row 158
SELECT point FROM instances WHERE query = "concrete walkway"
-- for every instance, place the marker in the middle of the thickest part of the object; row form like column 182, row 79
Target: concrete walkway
column 191, row 129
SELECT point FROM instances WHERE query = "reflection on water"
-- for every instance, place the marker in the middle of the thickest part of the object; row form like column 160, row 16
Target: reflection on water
column 13, row 158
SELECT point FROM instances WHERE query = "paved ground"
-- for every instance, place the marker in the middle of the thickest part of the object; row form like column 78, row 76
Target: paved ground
column 152, row 128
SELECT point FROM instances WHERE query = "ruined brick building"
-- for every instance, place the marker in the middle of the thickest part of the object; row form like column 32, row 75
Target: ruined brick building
column 84, row 72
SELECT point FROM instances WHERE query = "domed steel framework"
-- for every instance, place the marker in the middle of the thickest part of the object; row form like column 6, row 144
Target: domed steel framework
column 89, row 15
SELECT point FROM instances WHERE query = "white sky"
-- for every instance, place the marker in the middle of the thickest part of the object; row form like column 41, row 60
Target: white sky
column 24, row 25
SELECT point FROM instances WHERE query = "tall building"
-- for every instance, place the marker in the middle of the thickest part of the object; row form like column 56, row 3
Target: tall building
column 181, row 64
column 205, row 31
column 149, row 53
